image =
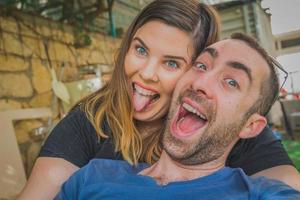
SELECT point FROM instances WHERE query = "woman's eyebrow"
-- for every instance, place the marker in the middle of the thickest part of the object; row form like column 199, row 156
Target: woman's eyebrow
column 167, row 56
column 141, row 41
column 176, row 57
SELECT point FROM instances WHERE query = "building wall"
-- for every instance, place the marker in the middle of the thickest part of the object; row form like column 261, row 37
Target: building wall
column 25, row 80
column 248, row 18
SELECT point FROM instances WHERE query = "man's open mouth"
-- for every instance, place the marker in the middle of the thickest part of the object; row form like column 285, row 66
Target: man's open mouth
column 143, row 98
column 189, row 120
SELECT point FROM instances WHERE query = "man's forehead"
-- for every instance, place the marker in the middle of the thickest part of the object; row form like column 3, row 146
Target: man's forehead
column 235, row 50
column 228, row 44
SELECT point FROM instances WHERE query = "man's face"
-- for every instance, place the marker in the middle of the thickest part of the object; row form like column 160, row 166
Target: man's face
column 210, row 102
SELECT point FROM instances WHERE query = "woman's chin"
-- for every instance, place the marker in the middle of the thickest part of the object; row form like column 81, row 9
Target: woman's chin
column 150, row 115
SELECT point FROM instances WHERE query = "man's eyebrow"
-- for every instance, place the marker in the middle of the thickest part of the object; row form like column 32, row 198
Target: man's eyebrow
column 241, row 66
column 213, row 52
column 142, row 42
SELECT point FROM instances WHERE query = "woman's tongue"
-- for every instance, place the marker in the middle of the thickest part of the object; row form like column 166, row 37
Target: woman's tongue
column 140, row 102
column 189, row 123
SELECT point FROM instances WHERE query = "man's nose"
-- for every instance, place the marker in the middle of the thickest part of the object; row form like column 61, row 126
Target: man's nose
column 149, row 72
column 204, row 84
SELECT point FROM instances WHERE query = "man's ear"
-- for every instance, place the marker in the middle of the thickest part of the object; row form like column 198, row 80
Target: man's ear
column 254, row 125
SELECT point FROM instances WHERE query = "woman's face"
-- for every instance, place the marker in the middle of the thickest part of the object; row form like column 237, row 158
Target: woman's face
column 157, row 57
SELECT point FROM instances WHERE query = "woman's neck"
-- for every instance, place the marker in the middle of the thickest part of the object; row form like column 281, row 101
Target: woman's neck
column 146, row 128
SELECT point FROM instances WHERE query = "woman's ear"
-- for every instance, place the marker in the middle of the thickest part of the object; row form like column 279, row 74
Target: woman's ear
column 254, row 125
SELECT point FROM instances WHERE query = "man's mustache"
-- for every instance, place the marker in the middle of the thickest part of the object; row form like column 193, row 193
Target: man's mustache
column 201, row 100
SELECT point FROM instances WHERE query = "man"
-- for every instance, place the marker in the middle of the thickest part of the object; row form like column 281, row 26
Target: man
column 223, row 97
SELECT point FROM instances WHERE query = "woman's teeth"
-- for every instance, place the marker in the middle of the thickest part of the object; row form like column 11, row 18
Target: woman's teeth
column 142, row 98
column 193, row 110
column 143, row 91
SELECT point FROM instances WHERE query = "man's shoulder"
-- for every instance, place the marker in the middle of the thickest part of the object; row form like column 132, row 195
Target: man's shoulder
column 261, row 187
column 273, row 189
column 108, row 169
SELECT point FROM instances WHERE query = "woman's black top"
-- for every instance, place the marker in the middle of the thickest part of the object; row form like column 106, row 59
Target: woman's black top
column 75, row 140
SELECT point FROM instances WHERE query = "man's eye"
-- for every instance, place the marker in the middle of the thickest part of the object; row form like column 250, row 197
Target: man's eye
column 232, row 83
column 200, row 66
column 172, row 64
column 141, row 50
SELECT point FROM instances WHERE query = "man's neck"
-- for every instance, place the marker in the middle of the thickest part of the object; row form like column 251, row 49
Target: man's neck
column 166, row 170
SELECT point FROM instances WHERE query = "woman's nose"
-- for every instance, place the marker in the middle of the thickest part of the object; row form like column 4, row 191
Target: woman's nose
column 149, row 72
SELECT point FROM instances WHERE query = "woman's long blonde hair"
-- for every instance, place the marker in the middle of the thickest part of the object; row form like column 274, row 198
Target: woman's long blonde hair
column 112, row 104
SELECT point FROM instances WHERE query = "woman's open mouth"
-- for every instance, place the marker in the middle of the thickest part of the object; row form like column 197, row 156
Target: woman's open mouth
column 143, row 98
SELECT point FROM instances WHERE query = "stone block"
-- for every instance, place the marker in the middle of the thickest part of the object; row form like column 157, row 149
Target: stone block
column 97, row 40
column 99, row 45
column 109, row 58
column 41, row 77
column 9, row 105
column 62, row 52
column 117, row 43
column 72, row 54
column 45, row 29
column 52, row 50
column 1, row 44
column 15, row 85
column 9, row 24
column 82, row 57
column 58, row 33
column 25, row 105
column 70, row 72
column 22, row 129
column 69, row 37
column 31, row 22
column 31, row 46
column 41, row 100
column 96, row 57
column 12, row 44
column 12, row 63
column 28, row 29
column 42, row 53
column 109, row 46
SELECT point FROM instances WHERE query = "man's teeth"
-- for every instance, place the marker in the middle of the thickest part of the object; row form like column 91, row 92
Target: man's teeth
column 143, row 91
column 193, row 110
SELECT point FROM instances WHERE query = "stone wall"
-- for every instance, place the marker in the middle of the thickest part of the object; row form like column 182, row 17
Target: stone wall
column 25, row 80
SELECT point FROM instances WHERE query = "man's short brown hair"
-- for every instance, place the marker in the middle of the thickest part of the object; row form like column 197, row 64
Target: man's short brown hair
column 270, row 88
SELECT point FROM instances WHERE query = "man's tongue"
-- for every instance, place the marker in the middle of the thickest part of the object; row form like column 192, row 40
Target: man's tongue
column 190, row 123
column 140, row 101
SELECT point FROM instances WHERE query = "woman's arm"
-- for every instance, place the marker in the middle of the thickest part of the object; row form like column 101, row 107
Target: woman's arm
column 70, row 146
column 285, row 173
column 46, row 178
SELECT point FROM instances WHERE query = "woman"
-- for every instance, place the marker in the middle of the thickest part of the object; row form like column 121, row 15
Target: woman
column 124, row 119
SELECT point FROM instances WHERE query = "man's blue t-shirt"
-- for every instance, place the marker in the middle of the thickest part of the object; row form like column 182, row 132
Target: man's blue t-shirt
column 111, row 179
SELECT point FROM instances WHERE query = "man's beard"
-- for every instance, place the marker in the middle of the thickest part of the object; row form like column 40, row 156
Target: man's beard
column 211, row 144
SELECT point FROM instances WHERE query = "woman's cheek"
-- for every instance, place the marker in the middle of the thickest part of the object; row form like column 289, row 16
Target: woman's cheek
column 130, row 64
column 170, row 83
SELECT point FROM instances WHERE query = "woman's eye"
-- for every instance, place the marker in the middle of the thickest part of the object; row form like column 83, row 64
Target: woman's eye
column 172, row 64
column 141, row 50
column 232, row 83
column 200, row 66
